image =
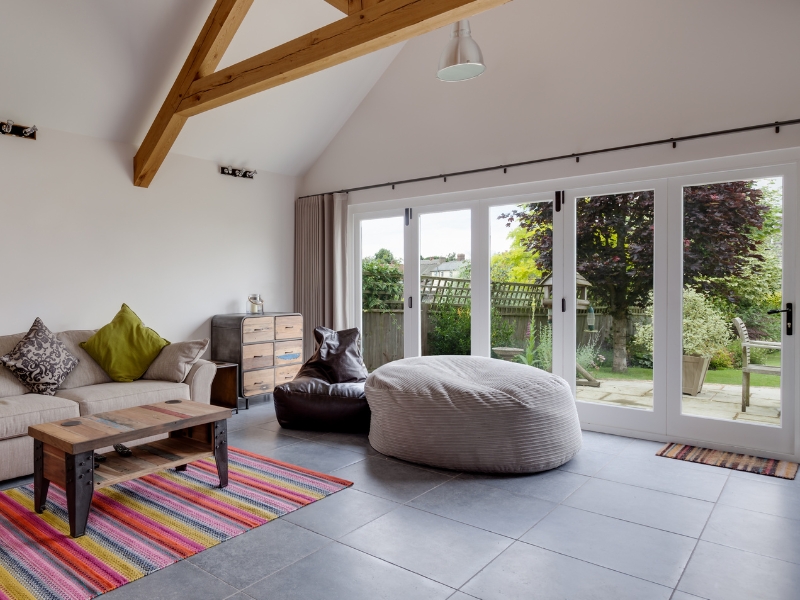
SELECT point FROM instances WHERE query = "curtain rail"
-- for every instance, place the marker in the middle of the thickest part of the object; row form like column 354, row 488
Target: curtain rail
column 577, row 156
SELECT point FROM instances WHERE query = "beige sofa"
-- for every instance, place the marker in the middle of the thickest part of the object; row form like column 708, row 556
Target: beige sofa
column 86, row 391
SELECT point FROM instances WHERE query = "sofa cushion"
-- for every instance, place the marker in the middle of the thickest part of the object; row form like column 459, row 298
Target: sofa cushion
column 175, row 361
column 9, row 384
column 88, row 372
column 125, row 348
column 40, row 361
column 19, row 412
column 104, row 397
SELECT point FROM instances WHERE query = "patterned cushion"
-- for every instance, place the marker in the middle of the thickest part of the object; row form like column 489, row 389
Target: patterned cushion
column 40, row 361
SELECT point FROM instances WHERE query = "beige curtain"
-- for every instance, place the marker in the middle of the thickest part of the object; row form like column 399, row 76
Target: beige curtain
column 321, row 290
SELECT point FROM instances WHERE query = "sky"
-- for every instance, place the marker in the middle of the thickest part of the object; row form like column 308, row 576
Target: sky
column 440, row 233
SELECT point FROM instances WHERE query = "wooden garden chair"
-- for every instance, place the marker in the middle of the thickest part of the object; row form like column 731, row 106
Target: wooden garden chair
column 747, row 368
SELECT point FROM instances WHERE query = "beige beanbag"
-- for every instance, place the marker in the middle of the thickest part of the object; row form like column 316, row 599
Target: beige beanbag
column 472, row 414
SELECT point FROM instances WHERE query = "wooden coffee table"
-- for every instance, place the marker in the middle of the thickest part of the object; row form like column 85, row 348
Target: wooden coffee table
column 63, row 451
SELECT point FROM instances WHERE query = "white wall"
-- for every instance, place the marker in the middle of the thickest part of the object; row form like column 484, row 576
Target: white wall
column 566, row 76
column 77, row 239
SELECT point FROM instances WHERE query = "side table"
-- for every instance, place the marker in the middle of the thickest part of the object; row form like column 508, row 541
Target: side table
column 225, row 387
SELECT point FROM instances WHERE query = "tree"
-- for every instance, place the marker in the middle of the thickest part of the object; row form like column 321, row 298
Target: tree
column 614, row 238
column 382, row 281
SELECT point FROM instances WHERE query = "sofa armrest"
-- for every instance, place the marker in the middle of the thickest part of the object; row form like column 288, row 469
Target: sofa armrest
column 199, row 381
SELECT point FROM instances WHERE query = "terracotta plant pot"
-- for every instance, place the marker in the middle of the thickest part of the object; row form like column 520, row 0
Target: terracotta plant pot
column 694, row 373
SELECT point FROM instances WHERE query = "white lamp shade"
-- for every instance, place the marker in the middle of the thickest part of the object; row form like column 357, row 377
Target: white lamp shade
column 462, row 58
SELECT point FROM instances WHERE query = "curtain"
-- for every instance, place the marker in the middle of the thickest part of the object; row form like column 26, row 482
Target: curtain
column 321, row 290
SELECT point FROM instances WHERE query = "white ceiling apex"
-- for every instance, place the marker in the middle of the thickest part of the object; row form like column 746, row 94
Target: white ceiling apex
column 102, row 68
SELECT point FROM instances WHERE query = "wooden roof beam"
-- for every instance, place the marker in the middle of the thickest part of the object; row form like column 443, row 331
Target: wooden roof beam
column 211, row 44
column 383, row 24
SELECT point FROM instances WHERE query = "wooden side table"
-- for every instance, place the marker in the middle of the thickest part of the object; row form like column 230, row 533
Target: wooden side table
column 225, row 387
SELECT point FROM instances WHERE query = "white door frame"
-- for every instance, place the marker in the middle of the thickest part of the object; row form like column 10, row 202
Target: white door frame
column 602, row 415
column 734, row 434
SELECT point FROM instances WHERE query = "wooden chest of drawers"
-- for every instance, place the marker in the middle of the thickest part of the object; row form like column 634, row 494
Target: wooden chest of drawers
column 268, row 348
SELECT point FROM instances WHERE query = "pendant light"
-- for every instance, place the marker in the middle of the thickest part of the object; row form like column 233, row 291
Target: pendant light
column 462, row 58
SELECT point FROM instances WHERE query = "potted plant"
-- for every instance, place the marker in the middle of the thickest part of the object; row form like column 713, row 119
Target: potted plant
column 705, row 331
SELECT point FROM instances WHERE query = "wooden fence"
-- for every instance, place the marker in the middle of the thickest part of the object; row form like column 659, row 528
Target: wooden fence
column 382, row 329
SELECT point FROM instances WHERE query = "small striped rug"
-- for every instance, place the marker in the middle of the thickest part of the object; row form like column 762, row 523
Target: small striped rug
column 143, row 525
column 730, row 460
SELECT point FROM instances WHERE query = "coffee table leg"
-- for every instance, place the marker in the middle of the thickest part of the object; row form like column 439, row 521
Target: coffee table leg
column 181, row 467
column 40, row 484
column 221, row 451
column 79, row 469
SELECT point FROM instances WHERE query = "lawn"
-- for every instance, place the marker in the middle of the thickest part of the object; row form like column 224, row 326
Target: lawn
column 723, row 376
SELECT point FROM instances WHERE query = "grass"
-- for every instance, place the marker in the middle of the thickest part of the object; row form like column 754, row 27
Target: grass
column 723, row 376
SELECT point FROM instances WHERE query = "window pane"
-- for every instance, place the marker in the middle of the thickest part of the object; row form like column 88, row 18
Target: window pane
column 614, row 245
column 382, row 290
column 445, row 271
column 521, row 246
column 732, row 277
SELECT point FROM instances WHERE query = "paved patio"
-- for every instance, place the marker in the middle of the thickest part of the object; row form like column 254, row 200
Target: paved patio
column 716, row 401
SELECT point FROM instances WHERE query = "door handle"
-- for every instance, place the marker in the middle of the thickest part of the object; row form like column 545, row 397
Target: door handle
column 788, row 311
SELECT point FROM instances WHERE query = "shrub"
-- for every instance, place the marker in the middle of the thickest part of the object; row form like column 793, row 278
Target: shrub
column 722, row 359
column 539, row 349
column 705, row 329
column 451, row 331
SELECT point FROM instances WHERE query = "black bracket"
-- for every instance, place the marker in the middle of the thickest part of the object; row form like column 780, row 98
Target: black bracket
column 788, row 311
column 409, row 215
column 11, row 128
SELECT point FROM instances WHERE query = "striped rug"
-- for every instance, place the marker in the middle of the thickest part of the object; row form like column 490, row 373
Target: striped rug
column 143, row 525
column 729, row 460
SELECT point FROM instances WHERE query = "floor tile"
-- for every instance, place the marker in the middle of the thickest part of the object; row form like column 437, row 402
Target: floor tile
column 671, row 476
column 177, row 582
column 461, row 596
column 678, row 514
column 341, row 513
column 317, row 457
column 604, row 442
column 790, row 483
column 255, row 415
column 355, row 442
column 391, row 480
column 754, row 532
column 650, row 554
column 553, row 486
column 587, row 462
column 337, row 572
column 435, row 547
column 721, row 573
column 259, row 552
column 684, row 596
column 17, row 482
column 486, row 507
column 258, row 440
column 778, row 500
column 525, row 572
column 298, row 433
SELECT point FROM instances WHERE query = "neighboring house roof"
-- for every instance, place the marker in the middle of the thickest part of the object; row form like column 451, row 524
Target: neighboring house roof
column 453, row 265
column 427, row 267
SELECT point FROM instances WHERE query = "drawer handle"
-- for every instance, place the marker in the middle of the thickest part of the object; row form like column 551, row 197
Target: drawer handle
column 288, row 326
column 254, row 330
column 259, row 356
column 288, row 352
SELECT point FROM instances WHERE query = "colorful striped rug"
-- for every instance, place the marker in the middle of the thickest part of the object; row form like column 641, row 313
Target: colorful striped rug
column 729, row 460
column 143, row 525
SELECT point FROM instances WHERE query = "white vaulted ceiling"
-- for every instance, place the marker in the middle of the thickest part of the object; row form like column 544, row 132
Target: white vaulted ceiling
column 102, row 68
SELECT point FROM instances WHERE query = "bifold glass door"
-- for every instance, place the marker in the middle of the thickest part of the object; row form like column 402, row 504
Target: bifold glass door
column 664, row 303
column 611, row 237
column 732, row 342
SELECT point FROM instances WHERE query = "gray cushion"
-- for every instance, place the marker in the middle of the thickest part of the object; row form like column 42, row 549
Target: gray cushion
column 9, row 384
column 40, row 360
column 175, row 361
column 88, row 372
column 472, row 414
column 104, row 397
column 18, row 412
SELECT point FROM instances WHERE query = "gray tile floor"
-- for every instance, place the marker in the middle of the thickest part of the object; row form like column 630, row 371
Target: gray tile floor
column 615, row 523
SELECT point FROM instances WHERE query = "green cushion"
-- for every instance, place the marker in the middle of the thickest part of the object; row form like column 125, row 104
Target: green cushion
column 124, row 347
